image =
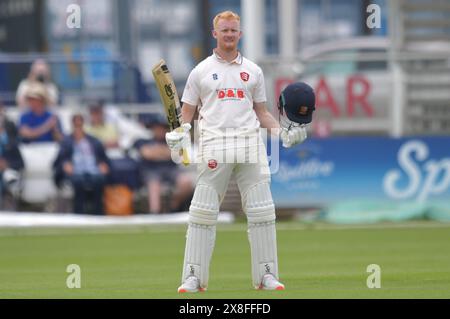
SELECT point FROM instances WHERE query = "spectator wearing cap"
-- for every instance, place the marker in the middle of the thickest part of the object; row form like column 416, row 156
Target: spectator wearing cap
column 39, row 124
column 106, row 132
column 156, row 167
column 83, row 161
column 39, row 72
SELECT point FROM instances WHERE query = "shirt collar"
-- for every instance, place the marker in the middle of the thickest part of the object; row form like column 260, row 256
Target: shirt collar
column 237, row 60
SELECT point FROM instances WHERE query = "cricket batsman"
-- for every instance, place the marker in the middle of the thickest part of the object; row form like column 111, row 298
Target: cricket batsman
column 229, row 92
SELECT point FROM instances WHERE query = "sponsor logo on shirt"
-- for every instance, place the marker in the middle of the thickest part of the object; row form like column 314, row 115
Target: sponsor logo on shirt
column 230, row 94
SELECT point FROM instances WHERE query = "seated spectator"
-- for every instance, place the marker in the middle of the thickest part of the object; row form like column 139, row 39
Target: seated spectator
column 11, row 161
column 8, row 125
column 156, row 166
column 83, row 161
column 38, row 124
column 39, row 72
column 98, row 127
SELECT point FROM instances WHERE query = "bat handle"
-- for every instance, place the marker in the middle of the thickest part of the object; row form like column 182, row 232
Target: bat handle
column 186, row 145
column 185, row 156
column 184, row 151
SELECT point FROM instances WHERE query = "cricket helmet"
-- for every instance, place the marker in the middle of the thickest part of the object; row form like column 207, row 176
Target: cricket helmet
column 296, row 105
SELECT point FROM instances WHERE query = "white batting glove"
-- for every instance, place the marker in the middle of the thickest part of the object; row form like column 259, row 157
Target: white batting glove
column 179, row 137
column 295, row 135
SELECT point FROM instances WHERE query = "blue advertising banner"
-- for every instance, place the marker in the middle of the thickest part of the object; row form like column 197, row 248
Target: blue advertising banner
column 321, row 172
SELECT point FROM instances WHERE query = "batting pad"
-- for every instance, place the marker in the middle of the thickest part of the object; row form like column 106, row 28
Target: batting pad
column 258, row 204
column 204, row 207
column 200, row 241
column 260, row 210
column 263, row 245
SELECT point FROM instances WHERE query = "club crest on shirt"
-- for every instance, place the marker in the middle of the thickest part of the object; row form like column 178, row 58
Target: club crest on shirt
column 245, row 76
column 215, row 76
column 212, row 163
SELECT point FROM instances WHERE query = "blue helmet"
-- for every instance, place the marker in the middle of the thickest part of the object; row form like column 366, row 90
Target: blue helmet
column 297, row 103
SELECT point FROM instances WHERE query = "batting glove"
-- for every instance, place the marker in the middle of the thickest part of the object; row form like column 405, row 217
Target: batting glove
column 295, row 135
column 179, row 137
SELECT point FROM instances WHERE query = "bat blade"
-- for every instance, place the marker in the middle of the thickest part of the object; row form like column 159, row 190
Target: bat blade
column 169, row 99
column 168, row 94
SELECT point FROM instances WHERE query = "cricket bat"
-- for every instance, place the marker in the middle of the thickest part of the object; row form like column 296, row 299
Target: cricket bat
column 170, row 100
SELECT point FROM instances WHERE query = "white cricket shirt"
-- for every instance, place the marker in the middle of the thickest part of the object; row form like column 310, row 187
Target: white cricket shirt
column 224, row 93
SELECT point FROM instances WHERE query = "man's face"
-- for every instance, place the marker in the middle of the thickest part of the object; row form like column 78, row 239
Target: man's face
column 77, row 123
column 96, row 117
column 36, row 104
column 227, row 34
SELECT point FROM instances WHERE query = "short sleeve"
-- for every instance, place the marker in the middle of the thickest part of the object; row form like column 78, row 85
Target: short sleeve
column 259, row 95
column 138, row 143
column 191, row 93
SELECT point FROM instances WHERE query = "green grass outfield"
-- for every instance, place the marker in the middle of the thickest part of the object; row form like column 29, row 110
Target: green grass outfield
column 316, row 261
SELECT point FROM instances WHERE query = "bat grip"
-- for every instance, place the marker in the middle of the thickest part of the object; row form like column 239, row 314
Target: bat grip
column 184, row 151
